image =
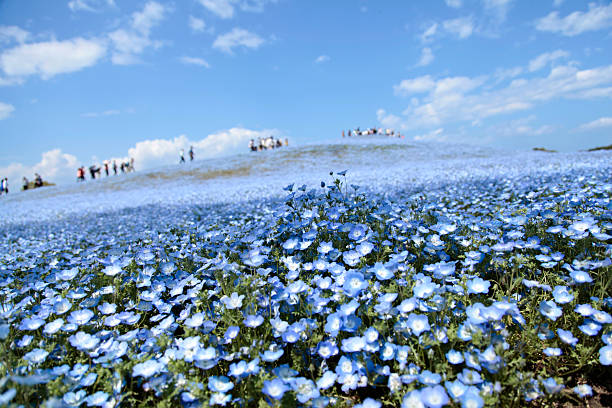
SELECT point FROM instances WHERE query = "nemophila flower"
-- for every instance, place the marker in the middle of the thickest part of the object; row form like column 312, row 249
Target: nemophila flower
column 220, row 384
column 291, row 244
column 349, row 382
column 581, row 277
column 231, row 333
column 275, row 388
column 36, row 356
column 549, row 309
column 219, row 398
column 351, row 258
column 455, row 389
column 345, row 366
column 607, row 338
column 551, row 386
column 364, row 248
column 292, row 334
column 353, row 344
column 88, row 380
column 253, row 320
column 327, row 349
column 425, row 288
column 583, row 390
column 407, row 305
column 454, row 357
column 567, row 337
column 78, row 370
column 413, row 400
column 469, row 377
column 552, row 351
column 605, row 355
column 97, row 400
column 478, row 285
column 80, row 317
column 61, row 306
column 327, row 380
column 358, row 232
column 387, row 352
column 83, row 341
column 272, row 355
column 31, row 323
column 148, row 368
column 371, row 335
column 325, row 247
column 67, row 274
column 584, row 310
column 234, row 301
column 195, row 321
column 305, row 389
column 418, row 323
column 107, row 308
column 368, row 403
column 382, row 272
column 562, row 295
column 74, row 399
column 590, row 328
column 53, row 327
column 434, row 397
column 354, row 283
column 601, row 317
column 426, row 377
column 476, row 313
column 112, row 270
column 471, row 399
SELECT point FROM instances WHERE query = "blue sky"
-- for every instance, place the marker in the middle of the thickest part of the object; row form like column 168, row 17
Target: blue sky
column 82, row 81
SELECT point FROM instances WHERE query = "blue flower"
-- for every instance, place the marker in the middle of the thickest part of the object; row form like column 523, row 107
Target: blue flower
column 327, row 380
column 562, row 295
column 83, row 341
column 305, row 389
column 605, row 355
column 353, row 344
column 552, row 351
column 478, row 285
column 368, row 403
column 220, row 384
column 36, row 356
column 327, row 349
column 471, row 399
column 428, row 378
column 234, row 301
column 219, row 398
column 97, row 400
column 231, row 333
column 275, row 388
column 583, row 390
column 454, row 357
column 74, row 399
column 434, row 397
column 253, row 320
column 418, row 323
column 354, row 283
column 413, row 400
column 550, row 309
column 147, row 369
column 455, row 388
column 581, row 277
column 590, row 328
column 551, row 386
column 567, row 337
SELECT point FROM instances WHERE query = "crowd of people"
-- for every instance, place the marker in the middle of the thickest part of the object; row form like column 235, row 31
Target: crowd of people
column 372, row 131
column 265, row 143
column 26, row 184
column 95, row 171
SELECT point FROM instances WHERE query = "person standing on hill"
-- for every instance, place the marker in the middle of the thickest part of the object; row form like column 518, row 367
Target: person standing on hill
column 25, row 183
column 106, row 167
column 115, row 167
column 191, row 153
column 182, row 153
column 4, row 186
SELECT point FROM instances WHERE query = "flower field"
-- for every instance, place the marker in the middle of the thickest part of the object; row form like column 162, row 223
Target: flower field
column 483, row 291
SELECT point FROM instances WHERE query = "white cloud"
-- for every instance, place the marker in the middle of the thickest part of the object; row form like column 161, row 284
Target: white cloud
column 521, row 127
column 596, row 18
column 158, row 152
column 387, row 119
column 6, row 110
column 226, row 8
column 463, row 99
column 542, row 60
column 597, row 124
column 557, row 3
column 501, row 74
column 427, row 57
column 417, row 85
column 238, row 37
column 321, row 59
column 429, row 32
column 89, row 5
column 436, row 135
column 13, row 33
column 131, row 42
column 51, row 58
column 222, row 8
column 195, row 61
column 54, row 166
column 196, row 24
column 498, row 8
column 462, row 27
column 109, row 112
column 454, row 3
